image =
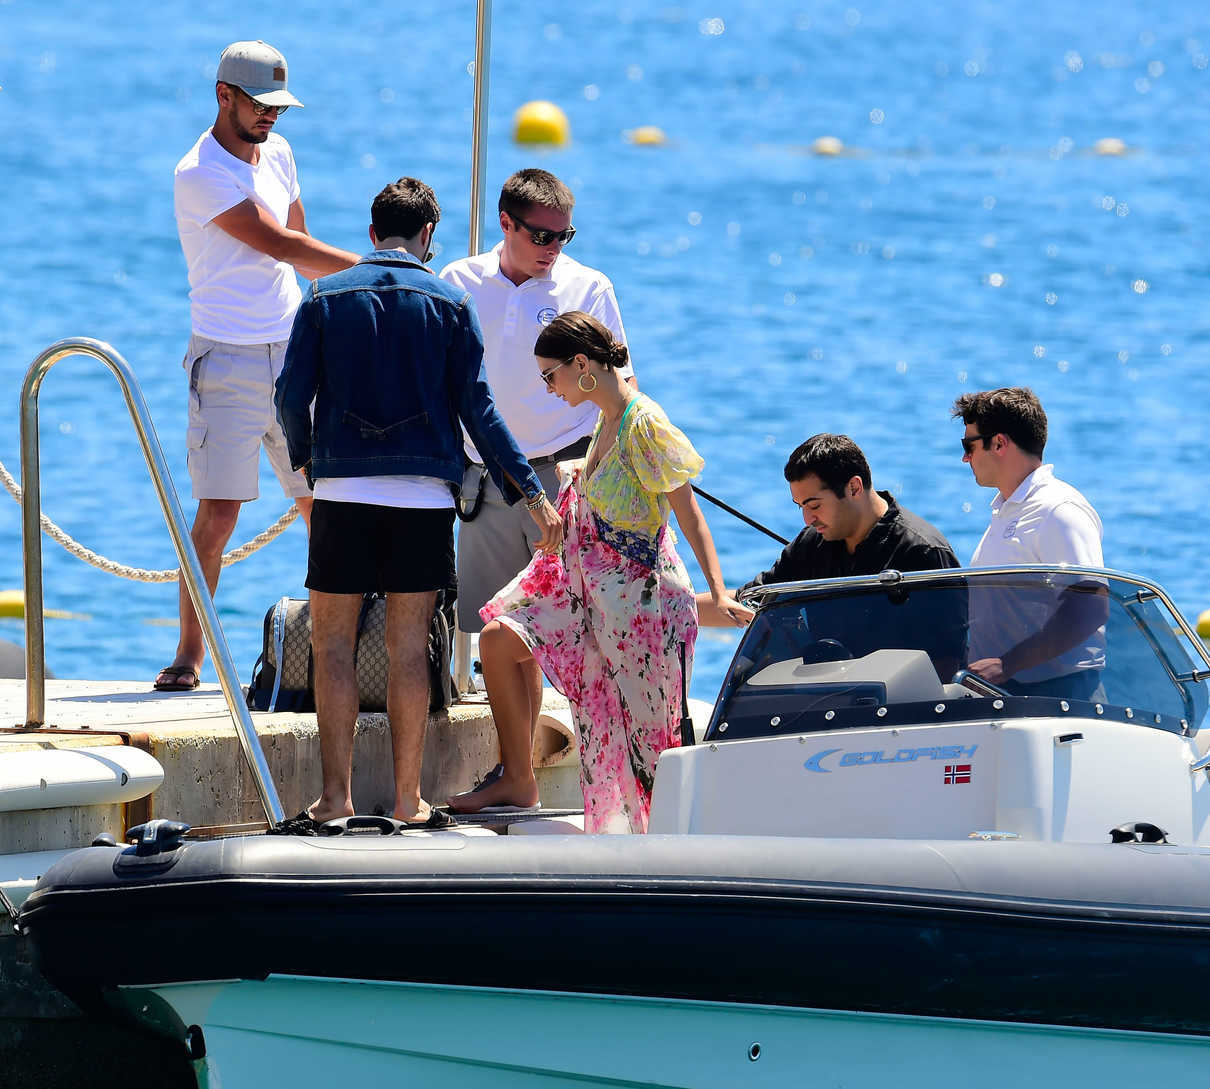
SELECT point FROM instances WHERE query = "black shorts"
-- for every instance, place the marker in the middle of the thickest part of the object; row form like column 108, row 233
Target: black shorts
column 358, row 548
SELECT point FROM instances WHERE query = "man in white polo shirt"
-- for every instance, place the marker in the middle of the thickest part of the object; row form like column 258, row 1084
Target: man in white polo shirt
column 244, row 236
column 1051, row 643
column 519, row 287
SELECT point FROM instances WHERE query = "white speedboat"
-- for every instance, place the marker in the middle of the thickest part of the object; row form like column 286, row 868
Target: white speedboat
column 877, row 867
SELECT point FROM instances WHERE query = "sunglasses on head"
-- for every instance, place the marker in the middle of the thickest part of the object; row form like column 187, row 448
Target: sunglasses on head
column 542, row 237
column 968, row 442
column 259, row 108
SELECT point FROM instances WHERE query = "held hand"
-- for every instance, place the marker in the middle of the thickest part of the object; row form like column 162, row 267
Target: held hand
column 990, row 669
column 569, row 471
column 739, row 615
column 548, row 521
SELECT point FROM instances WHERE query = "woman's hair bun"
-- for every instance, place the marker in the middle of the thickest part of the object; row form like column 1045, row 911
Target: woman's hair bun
column 618, row 355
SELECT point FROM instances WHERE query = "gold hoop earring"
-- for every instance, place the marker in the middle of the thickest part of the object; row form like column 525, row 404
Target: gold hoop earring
column 584, row 388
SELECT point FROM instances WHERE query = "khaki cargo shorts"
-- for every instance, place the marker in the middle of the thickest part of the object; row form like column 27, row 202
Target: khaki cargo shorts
column 231, row 415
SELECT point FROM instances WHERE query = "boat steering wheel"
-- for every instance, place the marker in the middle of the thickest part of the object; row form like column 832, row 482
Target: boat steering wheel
column 825, row 650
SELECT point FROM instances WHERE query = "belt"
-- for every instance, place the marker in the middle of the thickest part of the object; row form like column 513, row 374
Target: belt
column 576, row 450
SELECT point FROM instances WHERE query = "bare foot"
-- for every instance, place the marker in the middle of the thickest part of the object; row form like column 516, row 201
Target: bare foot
column 320, row 815
column 504, row 792
column 422, row 814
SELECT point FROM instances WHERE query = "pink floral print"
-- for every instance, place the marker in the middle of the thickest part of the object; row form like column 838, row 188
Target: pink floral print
column 607, row 631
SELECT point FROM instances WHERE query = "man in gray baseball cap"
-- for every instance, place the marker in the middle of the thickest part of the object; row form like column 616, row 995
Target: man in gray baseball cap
column 244, row 235
column 259, row 70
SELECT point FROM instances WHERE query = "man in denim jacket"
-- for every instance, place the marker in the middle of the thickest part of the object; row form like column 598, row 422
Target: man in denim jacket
column 392, row 358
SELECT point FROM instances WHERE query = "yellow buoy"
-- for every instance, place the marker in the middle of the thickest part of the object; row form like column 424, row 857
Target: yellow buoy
column 1203, row 625
column 541, row 123
column 828, row 145
column 1110, row 145
column 12, row 604
column 647, row 136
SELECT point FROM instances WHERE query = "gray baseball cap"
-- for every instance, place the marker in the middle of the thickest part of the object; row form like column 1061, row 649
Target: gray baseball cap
column 259, row 70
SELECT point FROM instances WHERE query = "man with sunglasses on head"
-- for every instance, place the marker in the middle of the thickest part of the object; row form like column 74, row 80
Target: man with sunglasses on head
column 244, row 236
column 1054, row 643
column 519, row 287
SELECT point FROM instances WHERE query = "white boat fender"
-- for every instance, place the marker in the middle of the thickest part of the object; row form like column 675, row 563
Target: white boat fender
column 56, row 778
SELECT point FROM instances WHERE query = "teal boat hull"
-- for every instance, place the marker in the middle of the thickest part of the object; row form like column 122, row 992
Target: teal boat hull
column 302, row 1032
column 699, row 961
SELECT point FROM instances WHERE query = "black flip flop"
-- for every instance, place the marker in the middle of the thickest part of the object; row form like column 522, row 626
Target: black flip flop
column 438, row 818
column 176, row 684
column 302, row 825
column 368, row 825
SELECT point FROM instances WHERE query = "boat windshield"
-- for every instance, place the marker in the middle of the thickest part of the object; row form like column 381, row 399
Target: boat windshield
column 944, row 646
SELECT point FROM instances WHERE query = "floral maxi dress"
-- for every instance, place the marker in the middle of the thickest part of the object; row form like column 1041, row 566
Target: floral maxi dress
column 607, row 620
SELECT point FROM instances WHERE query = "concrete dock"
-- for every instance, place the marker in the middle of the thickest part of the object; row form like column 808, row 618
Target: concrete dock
column 43, row 1037
column 206, row 780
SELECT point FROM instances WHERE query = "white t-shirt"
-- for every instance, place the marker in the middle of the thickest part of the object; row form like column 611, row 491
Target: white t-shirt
column 1043, row 521
column 237, row 295
column 416, row 492
column 512, row 316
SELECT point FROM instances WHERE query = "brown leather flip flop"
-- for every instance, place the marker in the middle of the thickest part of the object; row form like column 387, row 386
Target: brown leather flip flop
column 174, row 683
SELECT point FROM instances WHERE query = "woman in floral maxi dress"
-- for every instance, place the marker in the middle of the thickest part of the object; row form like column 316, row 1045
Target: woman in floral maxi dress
column 611, row 618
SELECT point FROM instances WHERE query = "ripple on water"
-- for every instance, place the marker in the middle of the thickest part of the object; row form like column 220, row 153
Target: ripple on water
column 967, row 222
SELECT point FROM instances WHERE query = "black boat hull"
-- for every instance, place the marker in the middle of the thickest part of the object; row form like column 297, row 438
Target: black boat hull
column 1114, row 937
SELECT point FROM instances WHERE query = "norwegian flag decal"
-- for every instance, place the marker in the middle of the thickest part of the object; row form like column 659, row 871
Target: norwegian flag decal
column 957, row 773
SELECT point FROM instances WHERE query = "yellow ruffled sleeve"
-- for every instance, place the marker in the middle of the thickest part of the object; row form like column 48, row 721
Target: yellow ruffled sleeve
column 660, row 454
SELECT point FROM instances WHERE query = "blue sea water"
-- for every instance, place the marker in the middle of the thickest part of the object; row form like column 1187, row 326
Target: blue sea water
column 971, row 238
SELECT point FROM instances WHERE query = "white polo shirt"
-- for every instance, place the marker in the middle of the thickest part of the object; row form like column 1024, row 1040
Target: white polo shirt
column 1043, row 521
column 237, row 295
column 512, row 316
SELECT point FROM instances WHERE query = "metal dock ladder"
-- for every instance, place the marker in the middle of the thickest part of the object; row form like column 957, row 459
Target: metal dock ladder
column 191, row 568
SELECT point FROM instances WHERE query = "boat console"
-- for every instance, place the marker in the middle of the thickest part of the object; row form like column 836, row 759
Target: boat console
column 862, row 707
column 882, row 677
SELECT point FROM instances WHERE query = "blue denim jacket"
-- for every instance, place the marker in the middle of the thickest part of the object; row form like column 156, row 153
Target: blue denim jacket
column 393, row 359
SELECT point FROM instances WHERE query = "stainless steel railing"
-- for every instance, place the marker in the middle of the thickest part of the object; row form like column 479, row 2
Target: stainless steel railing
column 191, row 568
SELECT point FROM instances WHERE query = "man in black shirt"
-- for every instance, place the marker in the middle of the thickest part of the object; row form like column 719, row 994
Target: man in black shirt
column 853, row 530
column 850, row 528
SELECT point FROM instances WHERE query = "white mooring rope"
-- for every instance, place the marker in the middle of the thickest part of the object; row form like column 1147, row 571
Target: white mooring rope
column 140, row 574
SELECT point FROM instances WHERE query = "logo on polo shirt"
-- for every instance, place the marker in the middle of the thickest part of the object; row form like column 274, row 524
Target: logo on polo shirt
column 1010, row 530
column 546, row 315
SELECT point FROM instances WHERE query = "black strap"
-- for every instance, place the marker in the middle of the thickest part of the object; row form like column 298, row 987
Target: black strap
column 687, row 737
column 470, row 515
